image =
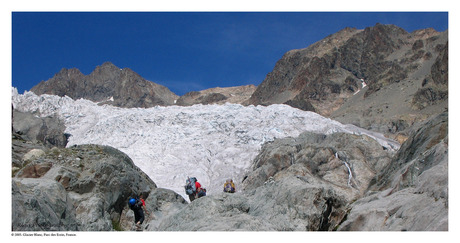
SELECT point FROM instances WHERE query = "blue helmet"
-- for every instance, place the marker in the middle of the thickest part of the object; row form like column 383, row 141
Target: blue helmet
column 132, row 201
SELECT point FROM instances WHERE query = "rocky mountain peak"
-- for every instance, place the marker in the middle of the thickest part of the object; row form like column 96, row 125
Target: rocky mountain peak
column 106, row 68
column 63, row 81
column 383, row 38
column 69, row 72
column 353, row 73
column 107, row 84
column 424, row 33
column 327, row 44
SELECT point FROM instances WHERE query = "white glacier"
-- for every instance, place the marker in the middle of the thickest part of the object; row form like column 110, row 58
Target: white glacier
column 210, row 142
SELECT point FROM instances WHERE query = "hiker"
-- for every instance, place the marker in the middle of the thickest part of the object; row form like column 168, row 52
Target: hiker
column 190, row 187
column 137, row 205
column 229, row 186
column 193, row 189
column 201, row 192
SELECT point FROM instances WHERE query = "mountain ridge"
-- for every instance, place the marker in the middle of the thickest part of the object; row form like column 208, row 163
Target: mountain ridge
column 373, row 78
column 107, row 82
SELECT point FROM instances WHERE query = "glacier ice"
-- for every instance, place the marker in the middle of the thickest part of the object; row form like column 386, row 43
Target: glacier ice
column 210, row 142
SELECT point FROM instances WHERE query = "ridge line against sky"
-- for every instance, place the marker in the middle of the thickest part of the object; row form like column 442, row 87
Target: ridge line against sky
column 184, row 51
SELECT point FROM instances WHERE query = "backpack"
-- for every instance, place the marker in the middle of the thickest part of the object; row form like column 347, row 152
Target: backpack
column 137, row 205
column 229, row 187
column 190, row 187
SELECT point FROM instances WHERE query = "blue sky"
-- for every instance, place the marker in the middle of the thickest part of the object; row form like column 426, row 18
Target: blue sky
column 184, row 51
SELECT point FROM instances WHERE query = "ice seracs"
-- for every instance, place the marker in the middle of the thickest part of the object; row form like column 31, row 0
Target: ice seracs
column 210, row 142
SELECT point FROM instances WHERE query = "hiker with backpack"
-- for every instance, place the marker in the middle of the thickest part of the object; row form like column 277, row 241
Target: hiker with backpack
column 193, row 189
column 137, row 204
column 229, row 186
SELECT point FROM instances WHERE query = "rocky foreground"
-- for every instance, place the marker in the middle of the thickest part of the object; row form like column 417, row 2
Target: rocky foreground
column 313, row 182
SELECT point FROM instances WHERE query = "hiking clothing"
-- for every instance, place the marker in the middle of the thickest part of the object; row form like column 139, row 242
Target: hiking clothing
column 139, row 216
column 229, row 186
column 201, row 192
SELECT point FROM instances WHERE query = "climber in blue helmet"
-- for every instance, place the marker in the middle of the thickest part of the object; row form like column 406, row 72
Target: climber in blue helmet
column 138, row 206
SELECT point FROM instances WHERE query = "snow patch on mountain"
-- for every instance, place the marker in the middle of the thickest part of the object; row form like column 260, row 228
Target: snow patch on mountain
column 210, row 142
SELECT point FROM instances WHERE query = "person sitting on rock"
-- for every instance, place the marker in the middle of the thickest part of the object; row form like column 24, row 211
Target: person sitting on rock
column 229, row 186
column 201, row 192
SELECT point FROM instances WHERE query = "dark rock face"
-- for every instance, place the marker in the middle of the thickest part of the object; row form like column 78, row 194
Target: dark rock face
column 435, row 86
column 107, row 84
column 318, row 71
column 364, row 55
column 205, row 100
column 303, row 71
column 302, row 104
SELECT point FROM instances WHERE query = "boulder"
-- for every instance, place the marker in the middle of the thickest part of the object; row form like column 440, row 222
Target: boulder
column 221, row 212
column 84, row 186
column 41, row 205
column 411, row 194
column 46, row 130
column 416, row 154
column 20, row 147
column 33, row 154
column 346, row 160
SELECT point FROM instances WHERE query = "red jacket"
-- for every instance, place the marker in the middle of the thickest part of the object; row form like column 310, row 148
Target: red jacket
column 197, row 185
